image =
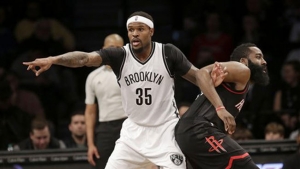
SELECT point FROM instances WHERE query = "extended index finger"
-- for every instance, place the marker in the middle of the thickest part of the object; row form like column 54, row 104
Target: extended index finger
column 27, row 63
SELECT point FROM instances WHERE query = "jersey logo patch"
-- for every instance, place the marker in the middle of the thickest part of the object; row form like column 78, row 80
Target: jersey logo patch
column 216, row 145
column 199, row 95
column 177, row 159
column 240, row 105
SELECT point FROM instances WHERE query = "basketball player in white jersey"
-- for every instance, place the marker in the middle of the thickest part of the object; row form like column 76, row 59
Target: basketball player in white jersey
column 145, row 72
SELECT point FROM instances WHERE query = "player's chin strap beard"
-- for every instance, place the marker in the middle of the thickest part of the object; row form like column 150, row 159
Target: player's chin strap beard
column 137, row 51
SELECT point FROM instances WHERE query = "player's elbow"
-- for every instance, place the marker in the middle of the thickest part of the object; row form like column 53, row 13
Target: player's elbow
column 202, row 72
column 93, row 59
column 202, row 75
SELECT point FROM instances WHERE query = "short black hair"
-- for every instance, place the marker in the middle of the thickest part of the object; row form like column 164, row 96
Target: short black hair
column 76, row 111
column 39, row 124
column 142, row 13
column 241, row 51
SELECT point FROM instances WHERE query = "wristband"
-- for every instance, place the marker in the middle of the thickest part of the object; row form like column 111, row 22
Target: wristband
column 219, row 108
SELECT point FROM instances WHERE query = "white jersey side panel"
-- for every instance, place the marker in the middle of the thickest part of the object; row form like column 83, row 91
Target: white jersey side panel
column 147, row 89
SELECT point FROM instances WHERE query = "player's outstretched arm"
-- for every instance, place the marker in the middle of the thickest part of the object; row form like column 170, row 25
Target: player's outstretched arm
column 70, row 59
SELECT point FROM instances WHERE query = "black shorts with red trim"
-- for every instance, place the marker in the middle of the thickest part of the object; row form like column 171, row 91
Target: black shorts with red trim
column 207, row 147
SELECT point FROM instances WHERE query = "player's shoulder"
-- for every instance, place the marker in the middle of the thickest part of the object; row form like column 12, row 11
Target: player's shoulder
column 115, row 50
column 237, row 64
column 170, row 45
column 170, row 48
column 165, row 45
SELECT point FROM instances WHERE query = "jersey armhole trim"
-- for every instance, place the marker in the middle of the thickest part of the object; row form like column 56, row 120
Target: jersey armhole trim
column 122, row 65
column 165, row 61
column 234, row 91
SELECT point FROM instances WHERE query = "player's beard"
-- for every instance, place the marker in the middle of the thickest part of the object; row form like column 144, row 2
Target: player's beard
column 141, row 49
column 257, row 73
column 138, row 50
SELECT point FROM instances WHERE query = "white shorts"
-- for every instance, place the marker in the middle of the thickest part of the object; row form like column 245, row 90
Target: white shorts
column 140, row 146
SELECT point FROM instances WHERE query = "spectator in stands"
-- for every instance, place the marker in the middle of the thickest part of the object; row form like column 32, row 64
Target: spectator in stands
column 293, row 162
column 14, row 125
column 214, row 40
column 25, row 28
column 78, row 131
column 274, row 131
column 40, row 137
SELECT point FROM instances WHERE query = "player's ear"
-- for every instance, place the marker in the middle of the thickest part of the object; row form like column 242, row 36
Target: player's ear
column 244, row 61
column 152, row 31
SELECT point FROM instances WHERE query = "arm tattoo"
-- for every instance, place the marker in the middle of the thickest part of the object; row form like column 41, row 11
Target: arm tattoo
column 73, row 59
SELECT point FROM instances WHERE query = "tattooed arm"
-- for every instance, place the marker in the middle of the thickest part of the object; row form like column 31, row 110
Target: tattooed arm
column 77, row 59
column 70, row 59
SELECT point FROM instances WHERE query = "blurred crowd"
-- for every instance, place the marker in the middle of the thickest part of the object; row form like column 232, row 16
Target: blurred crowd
column 48, row 111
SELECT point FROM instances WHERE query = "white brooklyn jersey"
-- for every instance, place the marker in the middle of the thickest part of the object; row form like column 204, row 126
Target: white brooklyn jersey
column 147, row 88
